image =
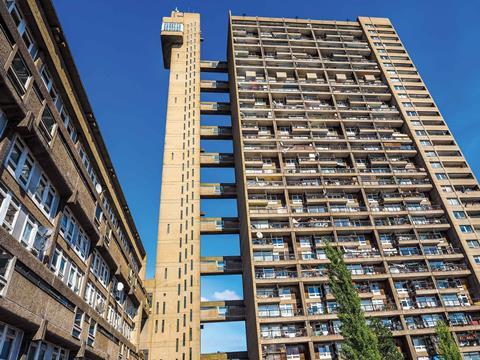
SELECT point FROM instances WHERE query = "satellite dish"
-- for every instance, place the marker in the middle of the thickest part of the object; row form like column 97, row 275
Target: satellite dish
column 259, row 235
column 98, row 189
column 44, row 231
column 120, row 286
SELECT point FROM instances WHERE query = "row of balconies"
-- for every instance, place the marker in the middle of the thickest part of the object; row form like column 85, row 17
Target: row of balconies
column 297, row 208
column 325, row 182
column 360, row 252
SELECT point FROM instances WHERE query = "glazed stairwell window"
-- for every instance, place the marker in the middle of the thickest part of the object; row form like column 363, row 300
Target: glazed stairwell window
column 30, row 176
column 73, row 234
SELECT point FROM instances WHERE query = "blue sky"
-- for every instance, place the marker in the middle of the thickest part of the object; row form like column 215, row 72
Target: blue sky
column 116, row 46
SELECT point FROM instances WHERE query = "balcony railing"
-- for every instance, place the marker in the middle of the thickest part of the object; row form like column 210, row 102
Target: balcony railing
column 277, row 274
column 279, row 313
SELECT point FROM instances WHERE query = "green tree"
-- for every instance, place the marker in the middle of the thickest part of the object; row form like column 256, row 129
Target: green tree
column 360, row 343
column 447, row 347
column 386, row 345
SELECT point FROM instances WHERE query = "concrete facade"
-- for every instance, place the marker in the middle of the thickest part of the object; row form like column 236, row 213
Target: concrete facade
column 336, row 139
column 71, row 260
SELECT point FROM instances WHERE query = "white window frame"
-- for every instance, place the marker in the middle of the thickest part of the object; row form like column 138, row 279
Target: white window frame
column 69, row 272
column 13, row 334
column 100, row 269
column 15, row 169
column 74, row 235
column 50, row 351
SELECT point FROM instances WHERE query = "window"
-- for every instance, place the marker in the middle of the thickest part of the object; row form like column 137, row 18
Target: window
column 416, row 123
column 459, row 214
column 441, row 176
column 95, row 298
column 5, row 261
column 92, row 331
column 118, row 295
column 20, row 162
column 31, row 177
column 47, row 124
column 98, row 214
column 313, row 292
column 77, row 324
column 42, row 350
column 67, row 270
column 67, row 122
column 19, row 74
column 10, row 339
column 425, row 143
column 74, row 235
column 412, row 113
column 31, row 238
column 466, row 229
column 114, row 318
column 436, row 165
column 3, row 122
column 473, row 244
column 476, row 258
column 88, row 165
column 47, row 79
column 453, row 201
column 15, row 220
column 19, row 21
column 100, row 269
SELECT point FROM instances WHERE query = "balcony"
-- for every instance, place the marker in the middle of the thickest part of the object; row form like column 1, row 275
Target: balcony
column 279, row 312
column 215, row 132
column 238, row 355
column 214, row 86
column 220, row 225
column 407, row 268
column 284, row 352
column 218, row 191
column 213, row 66
column 217, row 160
column 220, row 265
column 265, row 274
column 214, row 108
column 283, row 332
column 216, row 311
column 269, row 256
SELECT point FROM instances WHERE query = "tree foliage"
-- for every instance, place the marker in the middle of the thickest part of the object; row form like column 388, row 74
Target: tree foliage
column 447, row 347
column 360, row 342
column 386, row 345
